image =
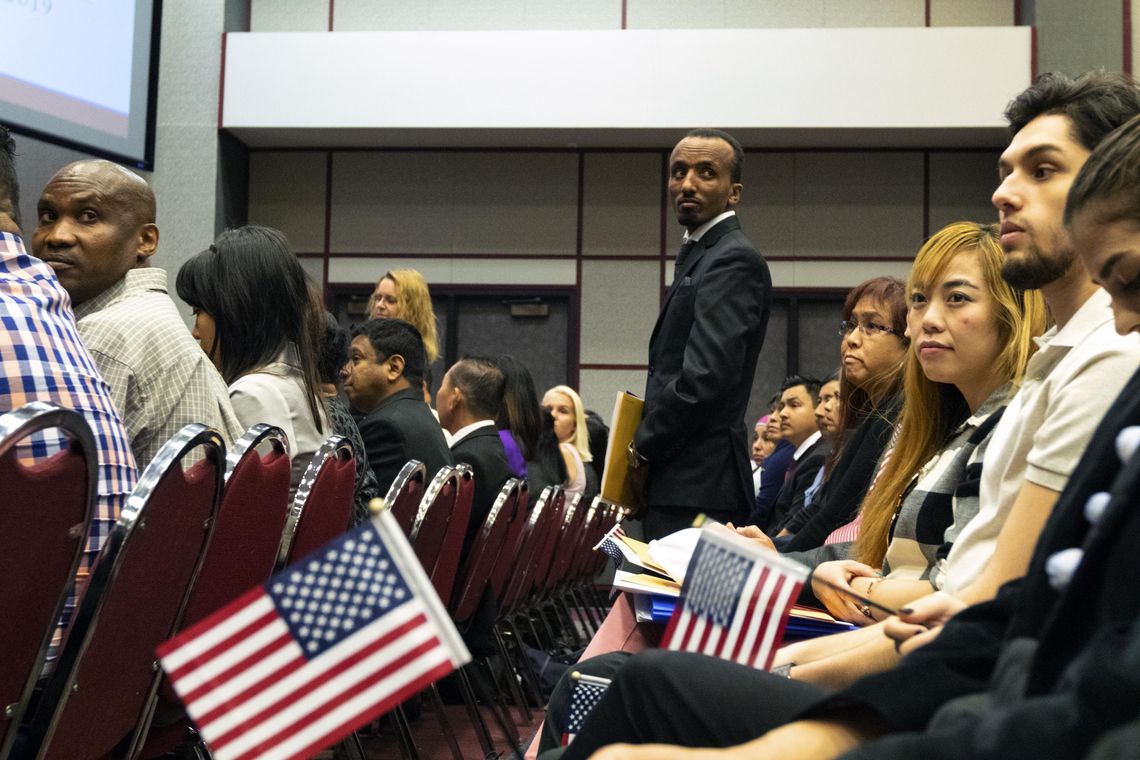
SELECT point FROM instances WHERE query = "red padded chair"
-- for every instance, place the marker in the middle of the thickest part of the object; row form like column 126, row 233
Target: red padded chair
column 101, row 690
column 322, row 508
column 242, row 552
column 433, row 516
column 486, row 550
column 447, row 565
column 40, row 547
column 546, row 513
column 406, row 493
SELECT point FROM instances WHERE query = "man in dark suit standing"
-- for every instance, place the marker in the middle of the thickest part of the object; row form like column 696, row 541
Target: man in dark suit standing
column 468, row 402
column 692, row 441
column 383, row 381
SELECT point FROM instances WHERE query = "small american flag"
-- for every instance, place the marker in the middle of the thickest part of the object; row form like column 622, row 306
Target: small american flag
column 323, row 648
column 735, row 600
column 587, row 693
column 609, row 545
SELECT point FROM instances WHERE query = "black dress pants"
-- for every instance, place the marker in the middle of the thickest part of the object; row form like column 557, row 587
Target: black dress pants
column 687, row 699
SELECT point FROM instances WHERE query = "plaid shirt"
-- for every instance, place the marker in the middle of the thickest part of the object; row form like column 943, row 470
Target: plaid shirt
column 942, row 499
column 44, row 360
column 160, row 379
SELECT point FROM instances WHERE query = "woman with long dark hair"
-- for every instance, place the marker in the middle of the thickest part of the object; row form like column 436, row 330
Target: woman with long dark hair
column 255, row 319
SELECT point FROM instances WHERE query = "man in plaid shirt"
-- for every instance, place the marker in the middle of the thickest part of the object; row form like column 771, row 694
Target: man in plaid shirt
column 43, row 359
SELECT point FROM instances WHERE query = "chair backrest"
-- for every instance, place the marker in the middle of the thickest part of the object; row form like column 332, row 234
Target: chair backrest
column 512, row 544
column 586, row 540
column 485, row 551
column 553, row 546
column 433, row 515
column 40, row 548
column 322, row 507
column 447, row 564
column 106, row 675
column 406, row 493
column 564, row 544
column 250, row 522
column 545, row 512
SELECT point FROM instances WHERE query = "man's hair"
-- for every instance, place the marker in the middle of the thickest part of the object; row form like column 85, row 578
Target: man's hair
column 737, row 152
column 1110, row 178
column 480, row 380
column 1096, row 102
column 810, row 383
column 392, row 337
column 9, row 184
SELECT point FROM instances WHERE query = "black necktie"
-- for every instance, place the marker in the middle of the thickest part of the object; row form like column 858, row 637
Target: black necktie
column 683, row 254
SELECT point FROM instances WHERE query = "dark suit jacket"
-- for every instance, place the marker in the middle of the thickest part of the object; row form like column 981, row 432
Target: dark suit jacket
column 791, row 497
column 702, row 356
column 402, row 427
column 483, row 450
column 1083, row 677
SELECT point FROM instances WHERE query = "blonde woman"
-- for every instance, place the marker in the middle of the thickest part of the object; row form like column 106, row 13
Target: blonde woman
column 565, row 405
column 403, row 294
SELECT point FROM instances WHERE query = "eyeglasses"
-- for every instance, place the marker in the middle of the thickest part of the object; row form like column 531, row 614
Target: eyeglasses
column 869, row 328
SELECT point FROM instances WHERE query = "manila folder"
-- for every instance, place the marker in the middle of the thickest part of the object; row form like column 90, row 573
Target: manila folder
column 616, row 485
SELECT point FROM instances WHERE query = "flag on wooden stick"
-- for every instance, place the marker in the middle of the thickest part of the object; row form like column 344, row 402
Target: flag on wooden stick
column 324, row 647
column 735, row 600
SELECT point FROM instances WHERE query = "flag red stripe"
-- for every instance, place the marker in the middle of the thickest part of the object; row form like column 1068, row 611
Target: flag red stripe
column 749, row 613
column 225, row 645
column 721, row 640
column 287, row 669
column 710, row 626
column 342, row 697
column 783, row 623
column 286, row 698
column 374, row 712
column 209, row 622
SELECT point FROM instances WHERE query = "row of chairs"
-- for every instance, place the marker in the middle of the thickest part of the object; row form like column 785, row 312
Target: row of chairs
column 192, row 539
column 188, row 540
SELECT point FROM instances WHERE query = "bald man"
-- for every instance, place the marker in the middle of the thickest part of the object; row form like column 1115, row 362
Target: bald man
column 96, row 230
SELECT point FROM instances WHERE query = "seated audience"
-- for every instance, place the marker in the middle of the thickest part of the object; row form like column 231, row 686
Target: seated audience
column 403, row 294
column 468, row 402
column 332, row 355
column 984, row 331
column 1031, row 673
column 43, row 359
column 796, row 412
column 384, row 383
column 253, row 319
column 971, row 337
column 569, row 413
column 873, row 349
column 762, row 448
column 529, row 429
column 776, row 464
column 96, row 231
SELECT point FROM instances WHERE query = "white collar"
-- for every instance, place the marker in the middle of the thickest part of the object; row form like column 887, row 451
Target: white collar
column 696, row 234
column 463, row 432
column 811, row 439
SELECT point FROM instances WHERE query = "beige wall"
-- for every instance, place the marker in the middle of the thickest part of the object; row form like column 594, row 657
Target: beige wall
column 825, row 219
column 380, row 15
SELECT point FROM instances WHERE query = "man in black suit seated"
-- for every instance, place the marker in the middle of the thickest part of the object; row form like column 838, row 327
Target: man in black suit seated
column 798, row 425
column 692, row 440
column 468, row 402
column 383, row 381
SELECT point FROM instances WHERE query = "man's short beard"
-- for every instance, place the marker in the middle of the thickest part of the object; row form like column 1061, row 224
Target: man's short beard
column 1034, row 271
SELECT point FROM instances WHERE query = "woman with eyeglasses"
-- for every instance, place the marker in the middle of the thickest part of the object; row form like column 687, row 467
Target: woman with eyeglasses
column 872, row 351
